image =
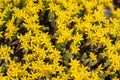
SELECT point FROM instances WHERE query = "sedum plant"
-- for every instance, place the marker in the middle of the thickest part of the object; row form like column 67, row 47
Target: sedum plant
column 59, row 40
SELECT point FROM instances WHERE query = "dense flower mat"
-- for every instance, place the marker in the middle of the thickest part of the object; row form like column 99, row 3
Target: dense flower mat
column 59, row 40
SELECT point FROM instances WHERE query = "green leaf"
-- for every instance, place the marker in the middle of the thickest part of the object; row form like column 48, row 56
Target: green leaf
column 84, row 56
column 16, row 58
column 3, row 69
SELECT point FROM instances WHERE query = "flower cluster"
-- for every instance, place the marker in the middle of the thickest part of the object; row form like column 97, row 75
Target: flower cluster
column 59, row 40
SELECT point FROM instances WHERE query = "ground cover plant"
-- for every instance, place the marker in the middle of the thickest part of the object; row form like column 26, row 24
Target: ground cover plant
column 59, row 40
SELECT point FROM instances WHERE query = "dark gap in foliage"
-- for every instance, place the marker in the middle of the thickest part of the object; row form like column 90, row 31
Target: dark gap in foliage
column 107, row 77
column 78, row 57
column 28, row 70
column 55, row 75
column 15, row 46
column 116, row 4
column 44, row 20
column 118, row 72
column 110, row 77
column 19, row 23
column 2, row 41
column 85, row 48
column 3, row 27
column 101, row 60
column 47, row 60
column 36, row 2
column 68, row 44
column 85, row 38
column 113, row 39
column 53, row 40
column 22, row 30
column 2, row 61
column 63, row 63
column 20, row 5
column 8, row 16
column 98, row 49
column 48, row 20
column 74, row 32
column 17, row 56
column 71, row 25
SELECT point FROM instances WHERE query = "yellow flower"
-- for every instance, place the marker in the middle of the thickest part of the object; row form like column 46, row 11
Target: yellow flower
column 95, row 76
column 74, row 48
column 14, row 69
column 99, row 67
column 64, row 35
column 16, row 2
column 53, row 7
column 25, row 41
column 92, row 56
column 11, row 29
column 19, row 13
column 74, row 63
column 77, row 38
column 41, row 53
column 115, row 78
column 5, row 52
column 1, row 21
column 78, row 71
